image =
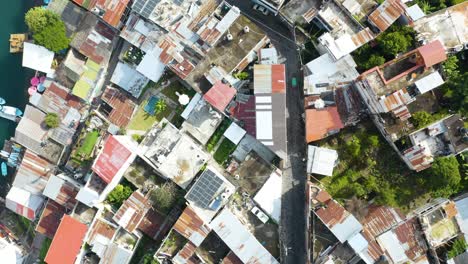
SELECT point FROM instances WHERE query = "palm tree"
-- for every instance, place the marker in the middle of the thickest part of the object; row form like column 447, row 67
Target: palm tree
column 160, row 106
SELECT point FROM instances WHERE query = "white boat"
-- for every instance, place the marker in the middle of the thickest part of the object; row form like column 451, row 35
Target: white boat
column 10, row 112
column 2, row 101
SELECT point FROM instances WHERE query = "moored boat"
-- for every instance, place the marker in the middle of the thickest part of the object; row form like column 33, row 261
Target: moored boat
column 10, row 112
column 4, row 169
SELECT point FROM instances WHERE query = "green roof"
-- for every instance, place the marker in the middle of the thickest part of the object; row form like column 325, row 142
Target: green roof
column 85, row 83
column 81, row 89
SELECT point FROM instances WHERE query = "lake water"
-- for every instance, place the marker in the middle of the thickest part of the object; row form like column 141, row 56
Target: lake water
column 14, row 79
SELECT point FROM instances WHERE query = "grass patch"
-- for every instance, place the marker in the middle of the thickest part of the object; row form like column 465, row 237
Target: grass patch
column 144, row 121
column 224, row 150
column 88, row 144
column 170, row 91
column 370, row 169
column 44, row 248
column 218, row 134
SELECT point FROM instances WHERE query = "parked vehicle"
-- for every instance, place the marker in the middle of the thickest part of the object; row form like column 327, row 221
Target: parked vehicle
column 261, row 9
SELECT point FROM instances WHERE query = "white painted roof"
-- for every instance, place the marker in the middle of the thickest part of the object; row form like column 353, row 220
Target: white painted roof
column 87, row 196
column 346, row 229
column 429, row 82
column 37, row 58
column 193, row 102
column 268, row 56
column 264, row 128
column 234, row 133
column 321, row 160
column 24, row 198
column 10, row 253
column 240, row 240
column 228, row 20
column 358, row 243
column 151, row 66
column 52, row 189
column 325, row 70
column 462, row 216
column 269, row 196
column 415, row 12
column 389, row 241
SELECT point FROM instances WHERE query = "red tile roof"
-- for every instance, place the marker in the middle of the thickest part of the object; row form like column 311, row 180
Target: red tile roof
column 278, row 78
column 111, row 159
column 220, row 95
column 320, row 122
column 50, row 219
column 122, row 106
column 432, row 53
column 67, row 241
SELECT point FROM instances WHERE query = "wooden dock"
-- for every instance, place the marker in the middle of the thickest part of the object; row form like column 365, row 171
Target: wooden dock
column 17, row 42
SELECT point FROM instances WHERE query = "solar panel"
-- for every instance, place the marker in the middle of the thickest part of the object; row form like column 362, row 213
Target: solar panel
column 205, row 189
column 145, row 7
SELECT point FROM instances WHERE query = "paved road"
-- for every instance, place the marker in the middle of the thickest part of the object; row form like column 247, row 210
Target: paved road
column 292, row 227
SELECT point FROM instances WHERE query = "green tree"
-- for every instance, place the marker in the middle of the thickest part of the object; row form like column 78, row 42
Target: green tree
column 459, row 246
column 52, row 120
column 393, row 43
column 241, row 75
column 38, row 18
column 165, row 197
column 117, row 196
column 47, row 28
column 353, row 147
column 456, row 92
column 421, row 119
column 450, row 67
column 161, row 106
column 444, row 176
column 374, row 60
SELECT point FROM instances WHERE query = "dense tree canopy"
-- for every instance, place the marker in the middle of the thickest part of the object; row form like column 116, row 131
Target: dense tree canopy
column 47, row 28
column 444, row 176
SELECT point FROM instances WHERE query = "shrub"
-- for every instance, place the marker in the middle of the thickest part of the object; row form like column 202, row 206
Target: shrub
column 458, row 247
column 241, row 75
column 119, row 195
column 52, row 120
column 165, row 197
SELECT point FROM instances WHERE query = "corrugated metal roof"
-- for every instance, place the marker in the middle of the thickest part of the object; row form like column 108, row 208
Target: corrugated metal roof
column 192, row 227
column 61, row 191
column 240, row 240
column 132, row 211
column 112, row 158
column 50, row 219
column 185, row 254
column 380, row 219
column 23, row 202
column 33, row 173
column 387, row 13
column 122, row 106
column 340, row 222
column 429, row 82
column 67, row 241
column 101, row 229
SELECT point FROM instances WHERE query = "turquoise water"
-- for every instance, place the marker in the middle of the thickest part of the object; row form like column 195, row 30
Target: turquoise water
column 14, row 79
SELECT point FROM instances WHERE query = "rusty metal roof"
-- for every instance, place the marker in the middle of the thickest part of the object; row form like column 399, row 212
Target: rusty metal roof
column 387, row 13
column 122, row 106
column 132, row 211
column 50, row 219
column 410, row 235
column 192, row 227
column 62, row 192
column 33, row 173
column 380, row 219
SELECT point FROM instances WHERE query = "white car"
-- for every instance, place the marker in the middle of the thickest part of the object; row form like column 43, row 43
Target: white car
column 259, row 214
column 262, row 9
